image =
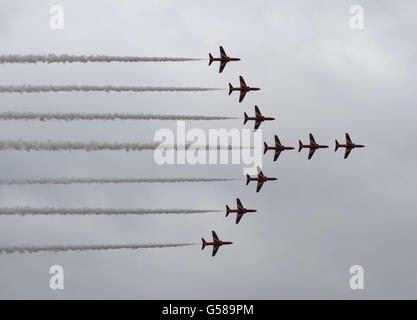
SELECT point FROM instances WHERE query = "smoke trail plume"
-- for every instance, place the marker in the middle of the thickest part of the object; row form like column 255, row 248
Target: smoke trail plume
column 65, row 58
column 10, row 115
column 63, row 180
column 100, row 146
column 35, row 249
column 24, row 211
column 88, row 88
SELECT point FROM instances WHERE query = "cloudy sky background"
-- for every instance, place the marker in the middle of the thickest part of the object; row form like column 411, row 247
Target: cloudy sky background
column 321, row 217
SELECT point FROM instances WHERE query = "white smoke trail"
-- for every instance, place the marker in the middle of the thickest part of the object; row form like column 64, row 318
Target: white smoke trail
column 96, row 146
column 24, row 211
column 134, row 246
column 88, row 88
column 65, row 58
column 10, row 115
column 63, row 180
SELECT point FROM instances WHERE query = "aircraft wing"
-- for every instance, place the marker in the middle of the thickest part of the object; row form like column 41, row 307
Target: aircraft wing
column 347, row 152
column 259, row 186
column 222, row 52
column 310, row 154
column 242, row 82
column 215, row 249
column 239, row 204
column 277, row 153
column 222, row 65
column 257, row 112
column 238, row 217
column 348, row 140
column 242, row 95
column 260, row 173
column 257, row 124
column 312, row 141
column 215, row 237
column 277, row 142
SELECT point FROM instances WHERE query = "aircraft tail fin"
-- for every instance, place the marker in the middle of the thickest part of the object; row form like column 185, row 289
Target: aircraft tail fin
column 246, row 118
column 265, row 147
column 247, row 179
column 227, row 210
column 300, row 145
column 204, row 243
column 230, row 88
column 337, row 145
column 211, row 59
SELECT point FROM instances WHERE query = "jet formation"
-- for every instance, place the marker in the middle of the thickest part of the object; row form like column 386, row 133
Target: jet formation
column 278, row 148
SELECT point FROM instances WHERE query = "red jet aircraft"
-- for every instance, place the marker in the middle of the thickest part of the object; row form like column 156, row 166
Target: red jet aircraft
column 313, row 146
column 278, row 148
column 258, row 118
column 260, row 178
column 243, row 89
column 216, row 243
column 224, row 59
column 349, row 145
column 240, row 210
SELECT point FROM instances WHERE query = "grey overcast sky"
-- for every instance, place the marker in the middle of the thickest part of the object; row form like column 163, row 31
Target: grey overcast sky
column 320, row 218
